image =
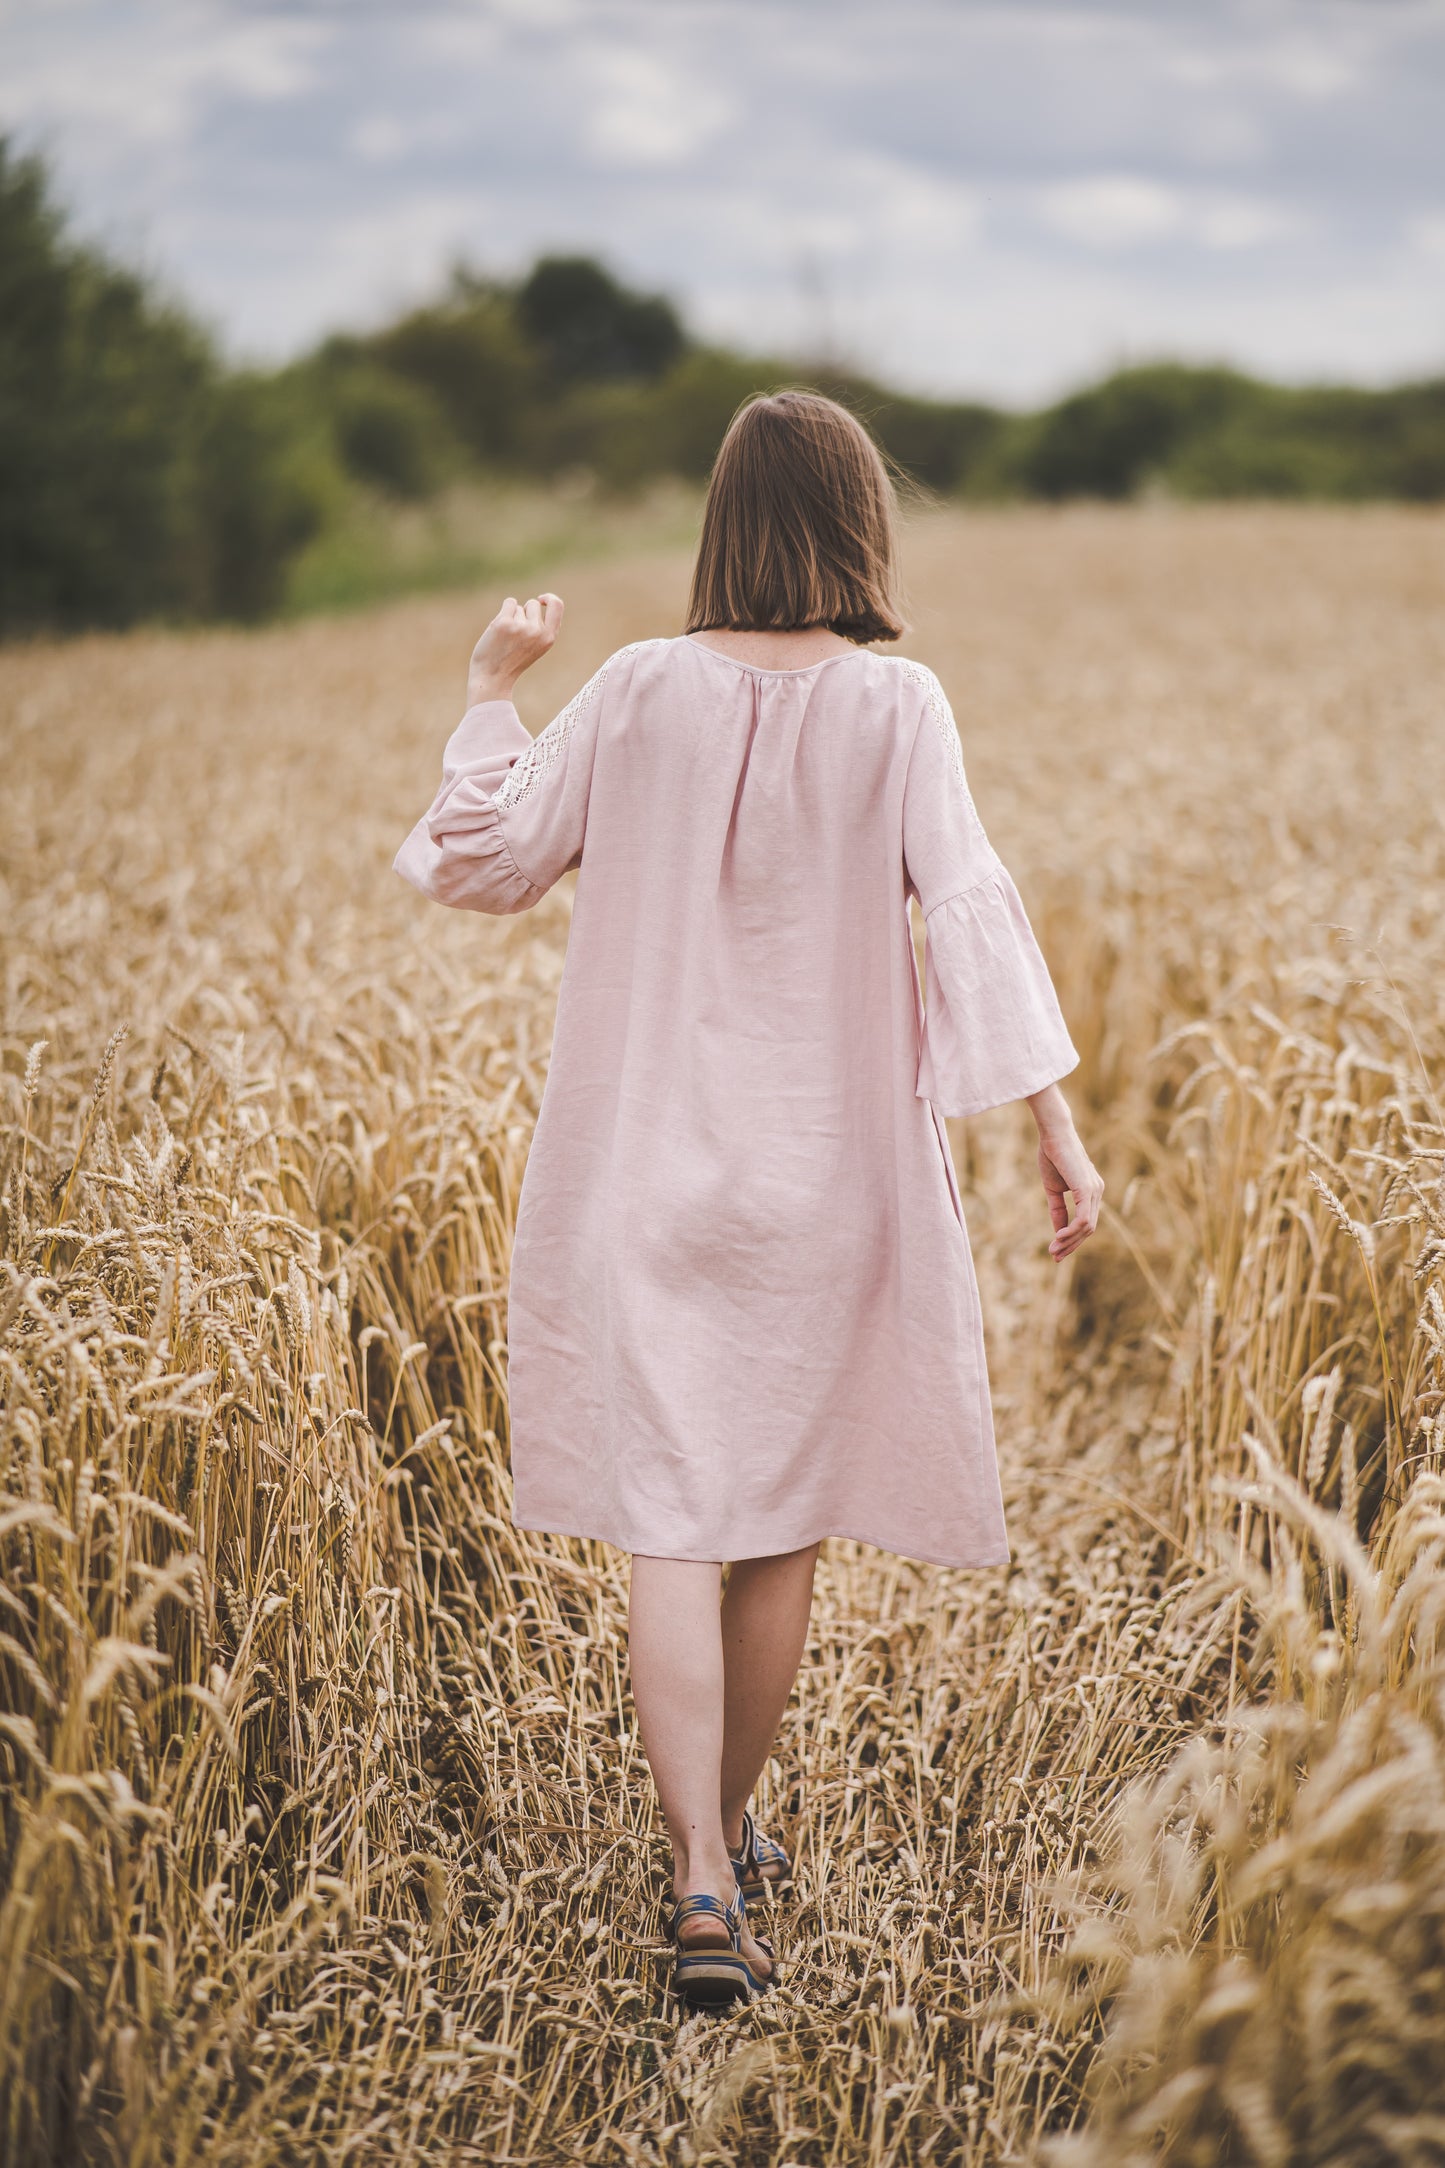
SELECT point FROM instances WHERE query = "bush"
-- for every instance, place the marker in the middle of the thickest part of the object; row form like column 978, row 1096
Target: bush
column 1110, row 440
column 469, row 356
column 1261, row 456
column 136, row 478
column 264, row 492
column 1214, row 433
column 387, row 431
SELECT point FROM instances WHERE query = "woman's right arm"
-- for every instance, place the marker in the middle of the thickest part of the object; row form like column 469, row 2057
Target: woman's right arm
column 509, row 815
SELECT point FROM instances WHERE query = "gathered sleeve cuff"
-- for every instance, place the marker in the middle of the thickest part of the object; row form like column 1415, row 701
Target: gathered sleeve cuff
column 993, row 1030
column 458, row 853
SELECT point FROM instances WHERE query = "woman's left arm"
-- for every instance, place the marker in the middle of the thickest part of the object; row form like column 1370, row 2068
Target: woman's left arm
column 993, row 1030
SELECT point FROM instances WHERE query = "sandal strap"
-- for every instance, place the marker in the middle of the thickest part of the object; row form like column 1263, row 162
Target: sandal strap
column 743, row 1857
column 757, row 1850
column 701, row 1904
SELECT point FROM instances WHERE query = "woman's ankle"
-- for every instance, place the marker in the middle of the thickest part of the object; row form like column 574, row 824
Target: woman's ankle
column 704, row 1871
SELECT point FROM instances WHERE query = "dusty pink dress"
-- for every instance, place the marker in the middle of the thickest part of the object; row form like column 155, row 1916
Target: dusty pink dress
column 743, row 1312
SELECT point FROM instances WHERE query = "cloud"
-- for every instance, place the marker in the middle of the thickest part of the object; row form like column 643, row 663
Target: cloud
column 1235, row 222
column 647, row 112
column 1427, row 235
column 1328, row 63
column 976, row 196
column 379, row 138
column 899, row 202
column 1124, row 211
column 152, row 84
column 1111, row 210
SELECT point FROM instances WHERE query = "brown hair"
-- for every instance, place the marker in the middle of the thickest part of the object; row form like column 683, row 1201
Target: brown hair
column 798, row 526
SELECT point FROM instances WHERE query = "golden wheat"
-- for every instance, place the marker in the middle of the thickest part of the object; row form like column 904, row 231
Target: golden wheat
column 327, row 1834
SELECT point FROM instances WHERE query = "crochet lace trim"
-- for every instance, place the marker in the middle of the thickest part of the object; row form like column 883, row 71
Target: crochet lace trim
column 548, row 747
column 942, row 715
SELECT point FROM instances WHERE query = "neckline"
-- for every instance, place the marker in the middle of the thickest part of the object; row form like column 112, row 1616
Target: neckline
column 760, row 669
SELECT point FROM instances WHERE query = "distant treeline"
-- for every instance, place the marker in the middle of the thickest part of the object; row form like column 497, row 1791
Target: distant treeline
column 140, row 476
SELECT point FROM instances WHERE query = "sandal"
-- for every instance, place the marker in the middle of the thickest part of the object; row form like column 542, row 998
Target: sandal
column 711, row 1974
column 762, row 1866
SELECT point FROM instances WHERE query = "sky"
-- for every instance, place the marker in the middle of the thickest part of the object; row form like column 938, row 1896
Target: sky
column 997, row 200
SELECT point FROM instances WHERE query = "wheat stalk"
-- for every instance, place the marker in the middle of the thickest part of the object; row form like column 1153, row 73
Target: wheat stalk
column 327, row 1833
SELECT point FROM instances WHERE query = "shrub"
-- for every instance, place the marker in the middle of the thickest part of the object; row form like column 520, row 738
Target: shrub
column 136, row 478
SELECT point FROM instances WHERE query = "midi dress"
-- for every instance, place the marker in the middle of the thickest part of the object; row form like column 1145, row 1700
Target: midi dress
column 742, row 1312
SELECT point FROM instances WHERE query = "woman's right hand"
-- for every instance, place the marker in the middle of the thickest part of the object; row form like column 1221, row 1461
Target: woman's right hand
column 519, row 634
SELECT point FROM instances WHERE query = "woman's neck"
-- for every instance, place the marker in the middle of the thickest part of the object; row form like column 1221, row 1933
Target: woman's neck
column 776, row 650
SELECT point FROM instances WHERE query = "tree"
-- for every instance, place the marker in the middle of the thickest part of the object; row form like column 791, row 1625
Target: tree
column 590, row 328
column 136, row 478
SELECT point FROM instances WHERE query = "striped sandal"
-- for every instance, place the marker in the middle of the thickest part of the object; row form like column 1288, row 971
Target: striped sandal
column 711, row 1973
column 762, row 1867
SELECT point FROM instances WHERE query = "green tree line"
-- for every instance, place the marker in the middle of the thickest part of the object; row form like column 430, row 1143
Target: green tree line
column 140, row 476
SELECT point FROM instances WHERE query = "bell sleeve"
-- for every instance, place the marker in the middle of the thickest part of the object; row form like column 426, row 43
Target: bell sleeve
column 510, row 815
column 992, row 1028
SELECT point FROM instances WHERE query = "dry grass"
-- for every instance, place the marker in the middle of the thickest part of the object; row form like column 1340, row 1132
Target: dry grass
column 327, row 1836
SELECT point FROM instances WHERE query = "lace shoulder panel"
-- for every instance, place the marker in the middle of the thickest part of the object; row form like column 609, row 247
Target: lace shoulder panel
column 942, row 718
column 548, row 747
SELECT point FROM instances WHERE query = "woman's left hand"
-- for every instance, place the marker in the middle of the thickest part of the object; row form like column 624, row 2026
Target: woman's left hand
column 1067, row 1171
column 519, row 634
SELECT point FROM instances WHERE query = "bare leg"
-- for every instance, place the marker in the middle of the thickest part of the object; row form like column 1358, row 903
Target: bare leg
column 676, row 1653
column 765, row 1614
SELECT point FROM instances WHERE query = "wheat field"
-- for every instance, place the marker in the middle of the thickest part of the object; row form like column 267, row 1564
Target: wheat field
column 327, row 1836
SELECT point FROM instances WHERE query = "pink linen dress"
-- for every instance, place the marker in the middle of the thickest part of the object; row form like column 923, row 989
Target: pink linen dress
column 743, row 1313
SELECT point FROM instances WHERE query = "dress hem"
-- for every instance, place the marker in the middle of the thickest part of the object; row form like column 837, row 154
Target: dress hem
column 976, row 1564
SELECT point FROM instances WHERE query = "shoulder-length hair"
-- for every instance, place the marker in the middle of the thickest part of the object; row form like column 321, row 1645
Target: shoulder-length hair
column 798, row 529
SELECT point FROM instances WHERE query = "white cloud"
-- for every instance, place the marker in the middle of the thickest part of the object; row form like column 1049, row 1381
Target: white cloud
column 648, row 113
column 1235, row 222
column 379, row 138
column 1325, row 64
column 984, row 197
column 1223, row 132
column 1111, row 210
column 901, row 202
column 1313, row 70
column 375, row 264
column 548, row 15
column 1121, row 211
column 1427, row 234
column 151, row 86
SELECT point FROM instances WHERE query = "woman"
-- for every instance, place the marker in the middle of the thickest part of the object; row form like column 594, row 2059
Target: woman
column 743, row 1315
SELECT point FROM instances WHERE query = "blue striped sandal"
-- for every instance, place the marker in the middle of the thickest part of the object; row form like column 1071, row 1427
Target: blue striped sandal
column 762, row 1867
column 711, row 1972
